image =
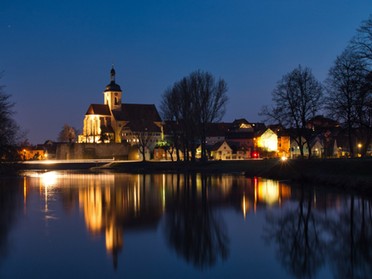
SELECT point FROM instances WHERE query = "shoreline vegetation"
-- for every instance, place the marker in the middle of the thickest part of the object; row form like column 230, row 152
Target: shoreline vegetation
column 344, row 174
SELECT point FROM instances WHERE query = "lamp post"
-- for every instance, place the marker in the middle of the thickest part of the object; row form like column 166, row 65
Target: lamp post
column 359, row 150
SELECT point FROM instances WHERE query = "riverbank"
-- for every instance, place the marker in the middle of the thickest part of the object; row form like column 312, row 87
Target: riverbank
column 348, row 174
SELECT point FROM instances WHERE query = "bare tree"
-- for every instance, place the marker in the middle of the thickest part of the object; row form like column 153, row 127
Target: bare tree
column 144, row 140
column 361, row 44
column 67, row 134
column 347, row 98
column 8, row 128
column 192, row 103
column 141, row 134
column 297, row 98
column 210, row 100
column 362, row 41
column 170, row 108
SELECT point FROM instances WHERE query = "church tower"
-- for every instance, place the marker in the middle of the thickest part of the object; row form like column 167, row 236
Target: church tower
column 113, row 93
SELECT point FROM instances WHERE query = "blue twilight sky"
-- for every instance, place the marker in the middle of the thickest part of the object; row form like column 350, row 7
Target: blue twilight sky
column 56, row 54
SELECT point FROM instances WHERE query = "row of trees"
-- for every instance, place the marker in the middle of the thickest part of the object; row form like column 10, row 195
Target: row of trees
column 192, row 103
column 346, row 95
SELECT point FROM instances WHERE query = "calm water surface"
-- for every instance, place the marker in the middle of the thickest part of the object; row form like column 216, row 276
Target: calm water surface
column 71, row 225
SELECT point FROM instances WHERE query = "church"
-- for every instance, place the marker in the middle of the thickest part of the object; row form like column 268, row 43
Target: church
column 117, row 122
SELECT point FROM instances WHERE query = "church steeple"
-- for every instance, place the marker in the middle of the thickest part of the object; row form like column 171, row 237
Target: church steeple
column 112, row 93
column 112, row 74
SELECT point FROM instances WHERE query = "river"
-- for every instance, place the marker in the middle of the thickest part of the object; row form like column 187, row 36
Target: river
column 80, row 225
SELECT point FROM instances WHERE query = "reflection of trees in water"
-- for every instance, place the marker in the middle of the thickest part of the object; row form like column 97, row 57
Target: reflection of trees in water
column 192, row 228
column 306, row 238
column 297, row 233
column 350, row 247
column 9, row 205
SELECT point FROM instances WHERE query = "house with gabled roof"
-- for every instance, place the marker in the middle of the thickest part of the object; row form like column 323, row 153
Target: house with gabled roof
column 228, row 150
column 114, row 121
column 221, row 151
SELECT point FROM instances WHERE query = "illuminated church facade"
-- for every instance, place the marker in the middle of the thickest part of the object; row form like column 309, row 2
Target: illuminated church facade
column 117, row 122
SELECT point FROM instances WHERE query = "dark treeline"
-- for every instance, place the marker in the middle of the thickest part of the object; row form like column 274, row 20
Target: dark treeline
column 345, row 96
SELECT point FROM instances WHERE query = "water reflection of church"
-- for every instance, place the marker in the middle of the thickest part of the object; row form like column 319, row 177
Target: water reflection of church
column 113, row 204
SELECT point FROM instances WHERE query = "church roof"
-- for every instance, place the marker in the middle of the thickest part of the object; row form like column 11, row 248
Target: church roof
column 130, row 112
column 98, row 109
column 141, row 117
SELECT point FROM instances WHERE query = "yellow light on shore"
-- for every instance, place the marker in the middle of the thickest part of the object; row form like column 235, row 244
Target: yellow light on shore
column 283, row 158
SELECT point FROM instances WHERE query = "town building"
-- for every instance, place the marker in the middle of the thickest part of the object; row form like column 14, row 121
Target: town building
column 118, row 122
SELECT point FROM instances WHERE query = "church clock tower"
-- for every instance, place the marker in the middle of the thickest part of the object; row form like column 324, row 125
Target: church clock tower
column 113, row 93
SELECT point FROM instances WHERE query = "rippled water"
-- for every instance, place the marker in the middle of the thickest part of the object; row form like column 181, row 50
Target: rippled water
column 71, row 225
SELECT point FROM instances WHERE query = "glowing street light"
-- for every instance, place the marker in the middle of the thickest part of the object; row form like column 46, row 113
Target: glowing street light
column 359, row 149
column 284, row 158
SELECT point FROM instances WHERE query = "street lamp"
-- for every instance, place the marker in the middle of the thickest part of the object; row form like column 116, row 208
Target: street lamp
column 359, row 150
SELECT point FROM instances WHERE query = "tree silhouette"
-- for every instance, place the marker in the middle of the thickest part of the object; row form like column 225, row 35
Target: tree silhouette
column 193, row 103
column 301, row 250
column 8, row 128
column 297, row 97
column 192, row 229
column 347, row 99
column 67, row 134
column 350, row 246
column 9, row 206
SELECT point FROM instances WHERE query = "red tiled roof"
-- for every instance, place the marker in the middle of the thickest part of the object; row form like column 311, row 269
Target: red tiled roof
column 140, row 117
column 130, row 112
column 98, row 109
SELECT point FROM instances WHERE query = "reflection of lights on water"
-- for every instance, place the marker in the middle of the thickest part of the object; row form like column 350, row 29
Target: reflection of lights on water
column 245, row 205
column 268, row 191
column 113, row 237
column 24, row 192
column 163, row 193
column 255, row 192
column 91, row 201
column 49, row 179
column 137, row 195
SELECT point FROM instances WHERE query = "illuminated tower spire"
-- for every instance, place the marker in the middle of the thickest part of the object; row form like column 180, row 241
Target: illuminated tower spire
column 112, row 74
column 113, row 93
